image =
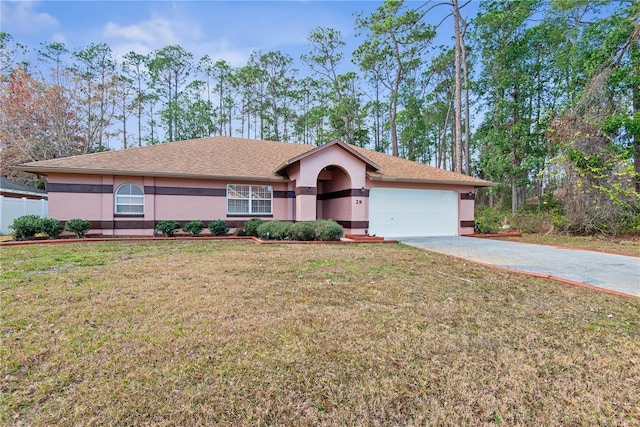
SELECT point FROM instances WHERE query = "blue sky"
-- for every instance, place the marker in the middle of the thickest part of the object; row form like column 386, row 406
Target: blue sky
column 227, row 30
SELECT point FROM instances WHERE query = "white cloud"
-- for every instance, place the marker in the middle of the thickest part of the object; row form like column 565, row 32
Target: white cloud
column 21, row 17
column 59, row 37
column 157, row 32
column 152, row 32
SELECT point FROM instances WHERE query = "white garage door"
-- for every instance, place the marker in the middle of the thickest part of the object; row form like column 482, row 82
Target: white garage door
column 399, row 212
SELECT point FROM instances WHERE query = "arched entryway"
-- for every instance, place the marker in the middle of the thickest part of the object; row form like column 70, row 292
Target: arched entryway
column 334, row 198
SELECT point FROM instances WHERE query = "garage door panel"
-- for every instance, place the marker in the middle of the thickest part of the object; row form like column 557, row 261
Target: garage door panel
column 399, row 212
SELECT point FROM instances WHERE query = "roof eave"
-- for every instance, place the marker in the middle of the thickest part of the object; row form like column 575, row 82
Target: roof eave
column 48, row 170
column 22, row 192
column 474, row 184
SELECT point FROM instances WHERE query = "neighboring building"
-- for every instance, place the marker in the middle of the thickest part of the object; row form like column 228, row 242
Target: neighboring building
column 127, row 192
column 18, row 199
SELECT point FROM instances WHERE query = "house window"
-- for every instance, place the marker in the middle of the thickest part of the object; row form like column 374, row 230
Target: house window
column 249, row 199
column 129, row 200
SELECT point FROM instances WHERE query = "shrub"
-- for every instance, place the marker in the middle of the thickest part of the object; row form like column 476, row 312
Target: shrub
column 78, row 226
column 51, row 227
column 303, row 231
column 327, row 229
column 489, row 220
column 560, row 221
column 251, row 227
column 274, row 230
column 167, row 227
column 194, row 228
column 26, row 227
column 218, row 227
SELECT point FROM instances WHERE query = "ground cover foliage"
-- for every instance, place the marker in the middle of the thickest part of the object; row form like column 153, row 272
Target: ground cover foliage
column 233, row 333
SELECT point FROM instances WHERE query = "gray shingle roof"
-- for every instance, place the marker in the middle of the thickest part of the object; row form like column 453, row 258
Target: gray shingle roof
column 11, row 186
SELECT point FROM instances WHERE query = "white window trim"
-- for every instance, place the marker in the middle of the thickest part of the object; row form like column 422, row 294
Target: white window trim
column 116, row 205
column 250, row 199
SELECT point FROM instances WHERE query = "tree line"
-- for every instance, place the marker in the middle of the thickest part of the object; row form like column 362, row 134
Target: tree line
column 534, row 95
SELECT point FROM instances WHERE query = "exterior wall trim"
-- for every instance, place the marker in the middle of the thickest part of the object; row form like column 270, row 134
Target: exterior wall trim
column 353, row 192
column 468, row 196
column 79, row 188
column 306, row 191
column 353, row 224
column 184, row 191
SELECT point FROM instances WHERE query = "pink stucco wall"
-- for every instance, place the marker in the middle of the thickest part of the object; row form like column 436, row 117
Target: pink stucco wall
column 97, row 206
column 329, row 170
column 349, row 172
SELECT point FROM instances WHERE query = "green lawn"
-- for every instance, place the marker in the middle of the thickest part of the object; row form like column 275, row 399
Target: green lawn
column 234, row 333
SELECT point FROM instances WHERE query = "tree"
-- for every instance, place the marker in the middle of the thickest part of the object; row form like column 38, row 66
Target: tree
column 276, row 75
column 96, row 69
column 38, row 121
column 393, row 49
column 412, row 122
column 324, row 60
column 169, row 69
column 134, row 69
column 124, row 90
column 509, row 136
column 222, row 73
column 9, row 51
column 54, row 54
column 596, row 133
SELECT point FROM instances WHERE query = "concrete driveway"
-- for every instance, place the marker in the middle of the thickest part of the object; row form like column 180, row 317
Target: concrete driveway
column 613, row 272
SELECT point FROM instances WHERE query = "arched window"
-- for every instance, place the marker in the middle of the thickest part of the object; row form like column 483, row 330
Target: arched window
column 129, row 200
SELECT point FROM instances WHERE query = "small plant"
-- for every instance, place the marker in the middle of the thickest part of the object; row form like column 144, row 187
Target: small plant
column 51, row 227
column 78, row 226
column 275, row 230
column 251, row 226
column 327, row 229
column 194, row 228
column 26, row 227
column 303, row 231
column 489, row 220
column 218, row 227
column 168, row 227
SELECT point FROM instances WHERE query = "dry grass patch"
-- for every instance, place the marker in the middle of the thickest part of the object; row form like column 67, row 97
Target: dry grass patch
column 202, row 333
column 621, row 245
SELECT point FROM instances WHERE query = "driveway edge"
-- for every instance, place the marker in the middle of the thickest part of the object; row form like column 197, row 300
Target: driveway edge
column 528, row 273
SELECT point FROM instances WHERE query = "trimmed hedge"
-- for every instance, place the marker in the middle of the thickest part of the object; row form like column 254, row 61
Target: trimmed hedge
column 194, row 228
column 250, row 227
column 322, row 229
column 51, row 227
column 218, row 227
column 168, row 227
column 275, row 230
column 327, row 230
column 303, row 231
column 78, row 226
column 26, row 227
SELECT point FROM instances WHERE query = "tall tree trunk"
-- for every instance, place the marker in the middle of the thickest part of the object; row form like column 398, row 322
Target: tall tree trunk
column 393, row 127
column 635, row 91
column 467, row 108
column 458, row 88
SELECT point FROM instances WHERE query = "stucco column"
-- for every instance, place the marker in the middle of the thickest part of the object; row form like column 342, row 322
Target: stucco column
column 107, row 204
column 359, row 210
column 306, row 203
column 466, row 208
